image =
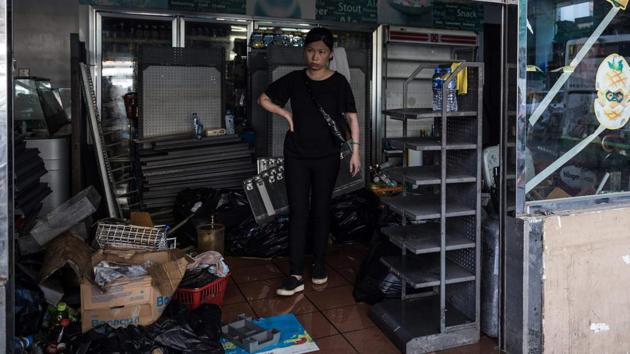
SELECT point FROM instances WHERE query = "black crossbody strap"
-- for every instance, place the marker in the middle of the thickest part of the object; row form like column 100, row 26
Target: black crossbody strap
column 331, row 122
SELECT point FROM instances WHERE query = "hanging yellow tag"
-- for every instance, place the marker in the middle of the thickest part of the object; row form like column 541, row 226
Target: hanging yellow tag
column 622, row 4
column 533, row 68
column 564, row 69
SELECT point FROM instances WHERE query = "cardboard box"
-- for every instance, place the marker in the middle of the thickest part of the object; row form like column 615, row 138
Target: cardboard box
column 67, row 250
column 139, row 301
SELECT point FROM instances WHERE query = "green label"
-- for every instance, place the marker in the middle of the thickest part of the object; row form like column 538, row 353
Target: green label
column 148, row 4
column 465, row 17
column 354, row 11
column 218, row 6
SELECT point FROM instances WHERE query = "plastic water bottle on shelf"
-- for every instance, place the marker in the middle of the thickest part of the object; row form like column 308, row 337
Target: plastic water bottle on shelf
column 229, row 122
column 437, row 90
column 451, row 104
column 197, row 126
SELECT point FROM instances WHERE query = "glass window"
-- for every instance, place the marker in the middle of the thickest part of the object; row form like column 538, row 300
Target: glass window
column 122, row 39
column 233, row 39
column 577, row 99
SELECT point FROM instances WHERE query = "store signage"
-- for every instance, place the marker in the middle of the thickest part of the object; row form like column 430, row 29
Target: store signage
column 425, row 36
column 211, row 6
column 223, row 6
column 457, row 16
column 347, row 10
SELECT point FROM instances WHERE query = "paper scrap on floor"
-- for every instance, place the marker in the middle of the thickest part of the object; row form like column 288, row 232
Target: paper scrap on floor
column 293, row 337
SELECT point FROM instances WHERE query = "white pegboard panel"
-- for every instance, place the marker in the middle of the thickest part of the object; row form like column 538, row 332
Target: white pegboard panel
column 172, row 93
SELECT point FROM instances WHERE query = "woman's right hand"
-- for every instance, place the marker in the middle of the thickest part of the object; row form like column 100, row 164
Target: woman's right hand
column 289, row 117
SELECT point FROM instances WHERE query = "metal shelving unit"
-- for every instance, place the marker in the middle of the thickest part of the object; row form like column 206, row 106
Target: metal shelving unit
column 440, row 207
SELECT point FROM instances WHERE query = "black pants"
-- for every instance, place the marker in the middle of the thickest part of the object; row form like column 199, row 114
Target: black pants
column 310, row 183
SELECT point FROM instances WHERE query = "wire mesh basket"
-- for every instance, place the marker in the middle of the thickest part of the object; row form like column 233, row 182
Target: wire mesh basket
column 133, row 237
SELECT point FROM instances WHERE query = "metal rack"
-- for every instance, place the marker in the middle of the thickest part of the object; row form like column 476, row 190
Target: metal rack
column 133, row 237
column 439, row 264
column 397, row 52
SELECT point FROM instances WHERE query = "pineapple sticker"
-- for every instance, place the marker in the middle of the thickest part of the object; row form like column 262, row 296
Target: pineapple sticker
column 622, row 4
column 612, row 106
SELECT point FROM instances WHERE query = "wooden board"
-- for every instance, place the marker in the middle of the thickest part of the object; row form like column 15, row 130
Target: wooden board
column 586, row 282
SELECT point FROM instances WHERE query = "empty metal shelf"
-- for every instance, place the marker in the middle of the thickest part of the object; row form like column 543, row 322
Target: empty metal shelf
column 429, row 144
column 419, row 319
column 427, row 175
column 422, row 272
column 390, row 153
column 418, row 208
column 425, row 238
column 421, row 113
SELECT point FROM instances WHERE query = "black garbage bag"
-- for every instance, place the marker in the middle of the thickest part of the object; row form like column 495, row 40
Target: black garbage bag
column 252, row 240
column 232, row 209
column 30, row 305
column 354, row 216
column 197, row 278
column 372, row 273
column 105, row 339
column 177, row 331
column 198, row 331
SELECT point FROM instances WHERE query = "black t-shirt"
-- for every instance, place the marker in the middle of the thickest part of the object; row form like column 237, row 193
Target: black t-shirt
column 312, row 137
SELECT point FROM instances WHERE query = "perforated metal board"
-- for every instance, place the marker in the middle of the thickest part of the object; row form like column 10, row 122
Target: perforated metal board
column 170, row 94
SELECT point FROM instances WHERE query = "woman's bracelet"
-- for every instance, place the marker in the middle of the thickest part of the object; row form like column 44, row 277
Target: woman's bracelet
column 355, row 142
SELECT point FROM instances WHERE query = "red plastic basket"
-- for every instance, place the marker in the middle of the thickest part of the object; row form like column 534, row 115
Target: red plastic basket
column 211, row 293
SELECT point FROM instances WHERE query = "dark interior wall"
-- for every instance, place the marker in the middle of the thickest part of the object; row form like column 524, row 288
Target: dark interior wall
column 41, row 37
column 492, row 88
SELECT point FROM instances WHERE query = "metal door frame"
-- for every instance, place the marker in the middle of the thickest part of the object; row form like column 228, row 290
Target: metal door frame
column 6, row 178
column 378, row 129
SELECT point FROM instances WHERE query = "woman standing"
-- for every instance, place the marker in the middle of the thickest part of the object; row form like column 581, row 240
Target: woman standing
column 311, row 150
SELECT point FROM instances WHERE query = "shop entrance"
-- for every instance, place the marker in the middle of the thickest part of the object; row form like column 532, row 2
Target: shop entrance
column 166, row 131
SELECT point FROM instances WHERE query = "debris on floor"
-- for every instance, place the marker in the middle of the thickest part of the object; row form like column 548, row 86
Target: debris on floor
column 263, row 241
column 354, row 216
column 59, row 220
column 293, row 337
column 177, row 330
column 139, row 300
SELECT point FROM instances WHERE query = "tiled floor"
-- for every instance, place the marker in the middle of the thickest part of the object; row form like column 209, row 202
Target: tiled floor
column 328, row 313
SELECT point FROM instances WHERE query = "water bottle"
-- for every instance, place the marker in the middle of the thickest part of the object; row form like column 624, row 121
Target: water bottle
column 451, row 104
column 23, row 344
column 229, row 122
column 197, row 126
column 437, row 90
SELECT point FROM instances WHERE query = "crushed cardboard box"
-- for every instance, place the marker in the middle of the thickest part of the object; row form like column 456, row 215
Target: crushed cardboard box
column 138, row 301
column 65, row 250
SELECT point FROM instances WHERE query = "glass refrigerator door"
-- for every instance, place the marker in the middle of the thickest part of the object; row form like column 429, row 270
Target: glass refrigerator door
column 232, row 37
column 121, row 41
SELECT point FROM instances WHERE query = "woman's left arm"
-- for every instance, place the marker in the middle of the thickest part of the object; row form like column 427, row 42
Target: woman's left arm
column 355, row 162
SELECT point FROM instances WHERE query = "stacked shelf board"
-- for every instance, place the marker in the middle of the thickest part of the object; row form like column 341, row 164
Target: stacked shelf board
column 439, row 237
column 168, row 166
column 30, row 192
